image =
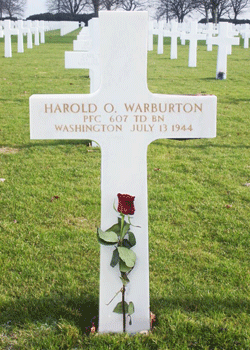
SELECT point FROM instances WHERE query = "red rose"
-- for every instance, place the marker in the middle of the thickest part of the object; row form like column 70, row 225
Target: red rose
column 126, row 204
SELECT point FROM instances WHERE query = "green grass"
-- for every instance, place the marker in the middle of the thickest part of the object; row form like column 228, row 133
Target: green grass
column 199, row 247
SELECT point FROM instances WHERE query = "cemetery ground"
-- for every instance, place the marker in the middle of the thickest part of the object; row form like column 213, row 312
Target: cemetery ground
column 199, row 199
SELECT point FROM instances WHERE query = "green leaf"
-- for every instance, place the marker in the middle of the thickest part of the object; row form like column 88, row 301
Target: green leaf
column 130, row 242
column 132, row 239
column 127, row 255
column 124, row 279
column 115, row 228
column 119, row 310
column 120, row 222
column 123, row 267
column 126, row 244
column 115, row 258
column 125, row 230
column 108, row 238
column 131, row 308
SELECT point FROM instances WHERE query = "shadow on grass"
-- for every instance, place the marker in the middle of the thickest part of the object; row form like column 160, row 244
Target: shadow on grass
column 48, row 143
column 185, row 143
column 82, row 311
column 227, row 305
column 211, row 78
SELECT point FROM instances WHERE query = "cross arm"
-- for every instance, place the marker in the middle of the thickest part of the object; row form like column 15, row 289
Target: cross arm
column 97, row 118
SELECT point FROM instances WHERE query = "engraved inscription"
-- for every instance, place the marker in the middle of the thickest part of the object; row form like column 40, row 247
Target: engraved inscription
column 140, row 117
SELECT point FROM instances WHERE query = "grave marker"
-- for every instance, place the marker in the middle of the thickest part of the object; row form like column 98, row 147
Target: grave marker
column 41, row 29
column 1, row 32
column 36, row 32
column 193, row 38
column 150, row 36
column 124, row 117
column 160, row 38
column 88, row 60
column 210, row 32
column 20, row 47
column 173, row 33
column 231, row 32
column 8, row 32
column 224, row 41
column 83, row 42
column 245, row 32
column 21, row 31
column 30, row 34
column 183, row 30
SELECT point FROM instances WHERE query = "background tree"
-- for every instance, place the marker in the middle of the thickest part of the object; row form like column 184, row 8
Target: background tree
column 174, row 9
column 219, row 8
column 181, row 8
column 238, row 6
column 94, row 6
column 13, row 7
column 54, row 6
column 204, row 7
column 66, row 6
column 1, row 8
column 131, row 5
column 163, row 9
column 110, row 4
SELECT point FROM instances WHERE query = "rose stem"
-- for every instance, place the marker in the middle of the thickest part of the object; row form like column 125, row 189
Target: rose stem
column 123, row 309
column 122, row 224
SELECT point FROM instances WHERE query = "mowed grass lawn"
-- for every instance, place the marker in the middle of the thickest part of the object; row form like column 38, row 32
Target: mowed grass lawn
column 199, row 202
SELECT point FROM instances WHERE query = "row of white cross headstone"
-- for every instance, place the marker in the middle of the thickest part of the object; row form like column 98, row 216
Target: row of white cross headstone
column 172, row 29
column 68, row 27
column 10, row 28
column 20, row 28
column 86, row 47
column 86, row 54
column 224, row 36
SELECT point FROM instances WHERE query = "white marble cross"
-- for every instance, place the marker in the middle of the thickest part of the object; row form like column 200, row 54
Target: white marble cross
column 245, row 32
column 41, row 29
column 36, row 32
column 193, row 38
column 173, row 33
column 1, row 31
column 33, row 30
column 183, row 30
column 210, row 32
column 224, row 41
column 83, row 42
column 150, row 36
column 68, row 27
column 124, row 117
column 8, row 31
column 27, row 28
column 20, row 48
column 21, row 31
column 88, row 60
column 160, row 38
column 232, row 32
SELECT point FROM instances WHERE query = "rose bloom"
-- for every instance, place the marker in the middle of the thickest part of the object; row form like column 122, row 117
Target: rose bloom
column 126, row 204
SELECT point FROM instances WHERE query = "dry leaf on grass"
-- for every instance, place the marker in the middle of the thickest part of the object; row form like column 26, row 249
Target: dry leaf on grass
column 55, row 197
